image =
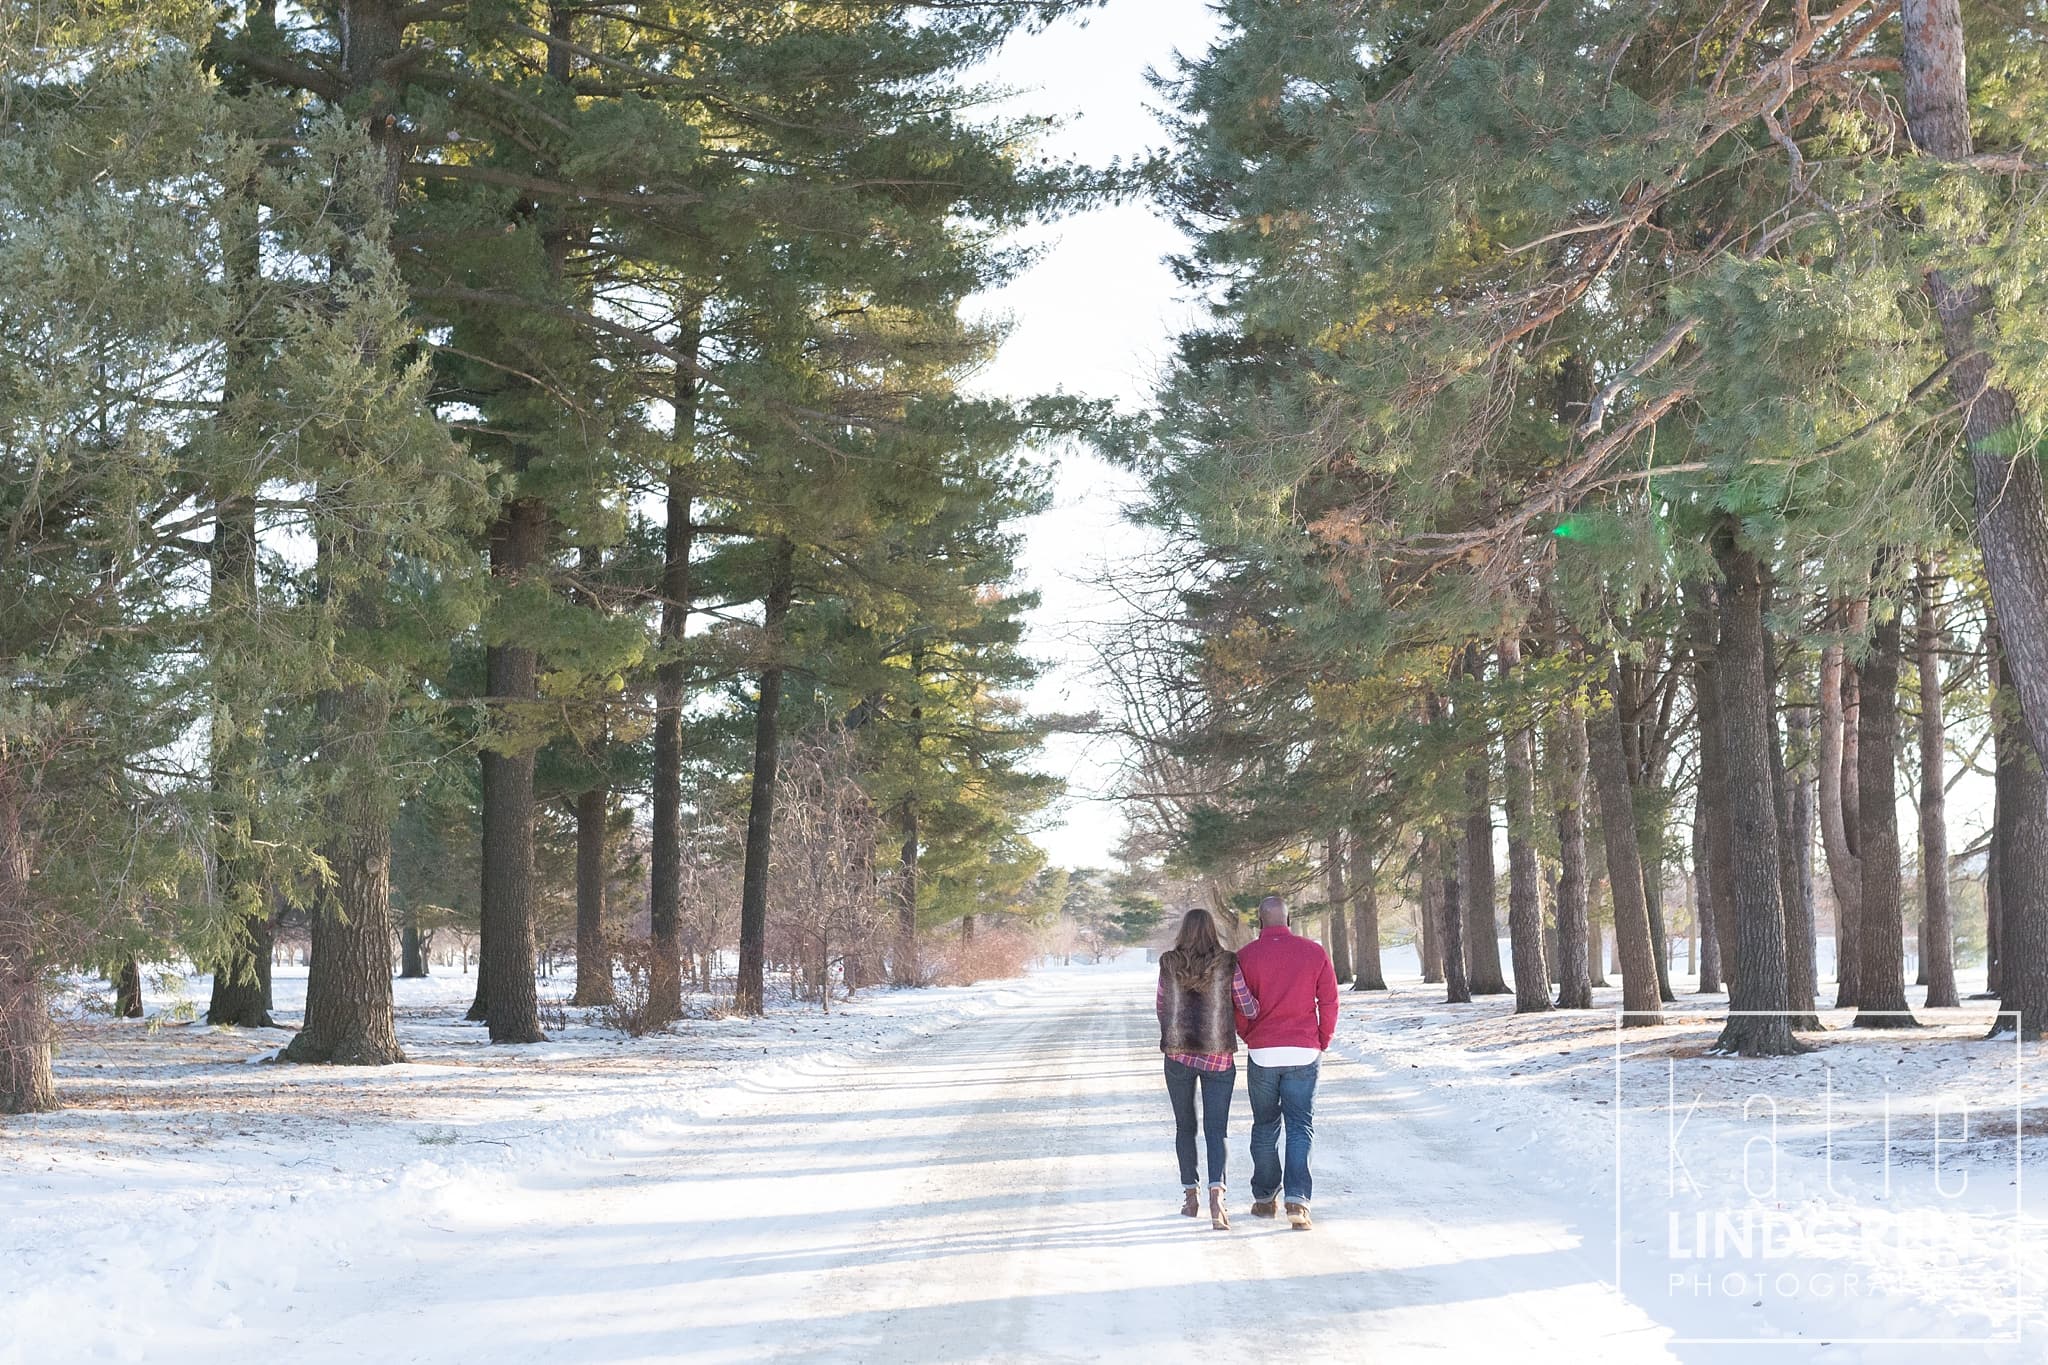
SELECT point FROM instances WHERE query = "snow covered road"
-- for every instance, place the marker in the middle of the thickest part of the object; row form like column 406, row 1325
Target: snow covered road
column 1002, row 1190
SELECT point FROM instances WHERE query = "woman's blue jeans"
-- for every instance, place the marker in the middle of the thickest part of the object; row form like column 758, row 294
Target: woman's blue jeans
column 1217, row 1087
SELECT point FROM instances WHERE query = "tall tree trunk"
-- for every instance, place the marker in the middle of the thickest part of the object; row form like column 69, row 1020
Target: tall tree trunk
column 593, row 955
column 1641, row 1002
column 1429, row 913
column 1457, row 991
column 412, row 944
column 128, row 989
column 1653, row 906
column 1713, row 802
column 1937, row 953
column 2012, row 512
column 748, row 995
column 1476, row 873
column 2020, row 846
column 1881, row 997
column 1795, row 866
column 593, row 818
column 1993, row 927
column 1799, row 734
column 1801, row 985
column 348, row 987
column 1525, row 877
column 1703, row 897
column 1574, row 932
column 671, row 677
column 1849, row 927
column 238, row 996
column 505, row 976
column 907, row 971
column 1757, row 1024
column 1340, row 928
column 26, row 1085
column 1550, row 948
column 1480, row 936
column 1837, row 835
column 1369, row 974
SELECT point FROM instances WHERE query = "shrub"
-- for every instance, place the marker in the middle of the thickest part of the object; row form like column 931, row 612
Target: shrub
column 991, row 955
column 631, row 1010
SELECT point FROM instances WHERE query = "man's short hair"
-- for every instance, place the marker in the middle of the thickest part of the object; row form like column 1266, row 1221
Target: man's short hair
column 1273, row 907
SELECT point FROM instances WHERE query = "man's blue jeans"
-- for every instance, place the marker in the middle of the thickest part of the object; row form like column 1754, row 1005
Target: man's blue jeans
column 1282, row 1094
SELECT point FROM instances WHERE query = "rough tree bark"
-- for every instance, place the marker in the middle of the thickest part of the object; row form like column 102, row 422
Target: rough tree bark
column 1992, row 925
column 1476, row 872
column 2012, row 509
column 1370, row 975
column 1429, row 917
column 1340, row 927
column 1525, row 878
column 1574, row 933
column 593, row 955
column 239, row 996
column 1937, row 953
column 1757, row 1025
column 1703, row 899
column 906, row 966
column 412, row 944
column 1641, row 1001
column 26, row 1085
column 2020, row 841
column 1801, row 985
column 128, row 990
column 348, row 986
column 671, row 679
column 1429, row 914
column 748, row 994
column 1712, row 801
column 1837, row 833
column 505, row 985
column 1457, row 991
column 1881, row 995
column 1799, row 735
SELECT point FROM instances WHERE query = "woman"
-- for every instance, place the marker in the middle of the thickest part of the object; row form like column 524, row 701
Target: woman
column 1198, row 985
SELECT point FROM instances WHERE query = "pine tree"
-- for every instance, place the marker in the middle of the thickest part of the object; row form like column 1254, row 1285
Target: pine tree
column 108, row 305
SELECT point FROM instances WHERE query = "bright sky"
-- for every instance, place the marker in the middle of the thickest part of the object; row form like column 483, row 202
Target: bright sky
column 1093, row 317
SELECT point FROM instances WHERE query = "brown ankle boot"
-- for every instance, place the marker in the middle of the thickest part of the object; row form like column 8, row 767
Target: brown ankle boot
column 1265, row 1208
column 1219, row 1218
column 1191, row 1204
column 1297, row 1214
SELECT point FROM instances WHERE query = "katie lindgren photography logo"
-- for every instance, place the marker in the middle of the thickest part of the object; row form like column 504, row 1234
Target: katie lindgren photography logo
column 1747, row 1195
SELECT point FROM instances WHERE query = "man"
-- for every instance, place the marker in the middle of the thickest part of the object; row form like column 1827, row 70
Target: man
column 1296, row 988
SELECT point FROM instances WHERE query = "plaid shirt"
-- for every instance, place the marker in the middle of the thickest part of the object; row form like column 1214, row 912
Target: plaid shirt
column 1247, row 1005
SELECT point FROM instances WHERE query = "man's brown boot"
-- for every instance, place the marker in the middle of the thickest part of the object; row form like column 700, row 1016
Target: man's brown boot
column 1297, row 1214
column 1265, row 1208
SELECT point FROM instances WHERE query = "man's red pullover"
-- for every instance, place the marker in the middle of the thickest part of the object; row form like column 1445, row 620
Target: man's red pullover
column 1296, row 989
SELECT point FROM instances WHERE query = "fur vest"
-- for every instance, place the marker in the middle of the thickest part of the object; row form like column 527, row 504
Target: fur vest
column 1197, row 1019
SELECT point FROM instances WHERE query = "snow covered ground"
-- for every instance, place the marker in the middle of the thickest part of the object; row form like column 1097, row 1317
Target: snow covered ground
column 986, row 1173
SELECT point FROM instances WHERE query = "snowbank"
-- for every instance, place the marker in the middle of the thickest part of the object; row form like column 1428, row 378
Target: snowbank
column 1872, row 1191
column 182, row 1183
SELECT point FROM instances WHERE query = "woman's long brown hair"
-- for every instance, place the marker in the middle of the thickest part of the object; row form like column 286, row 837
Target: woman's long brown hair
column 1198, row 948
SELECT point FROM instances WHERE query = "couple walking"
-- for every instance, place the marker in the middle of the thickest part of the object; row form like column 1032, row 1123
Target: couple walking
column 1280, row 995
